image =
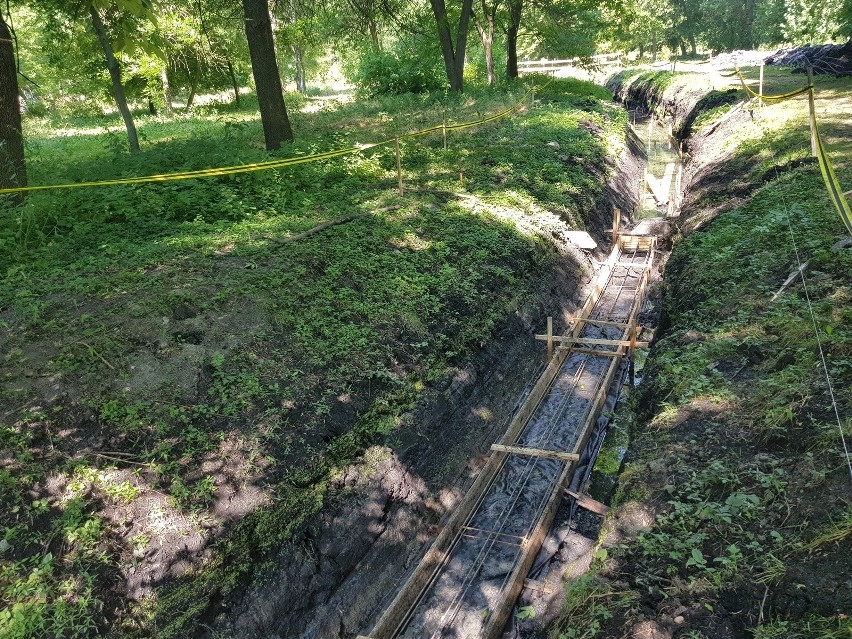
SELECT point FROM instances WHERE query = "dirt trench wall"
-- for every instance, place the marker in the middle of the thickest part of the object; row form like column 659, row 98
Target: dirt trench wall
column 333, row 580
column 676, row 99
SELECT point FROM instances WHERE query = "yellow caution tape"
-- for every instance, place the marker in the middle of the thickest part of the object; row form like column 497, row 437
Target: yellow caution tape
column 270, row 164
column 770, row 98
column 835, row 192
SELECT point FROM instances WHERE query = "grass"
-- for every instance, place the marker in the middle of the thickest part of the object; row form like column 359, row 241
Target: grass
column 164, row 349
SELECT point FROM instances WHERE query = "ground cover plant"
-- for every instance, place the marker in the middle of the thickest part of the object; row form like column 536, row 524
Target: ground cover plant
column 184, row 374
column 733, row 506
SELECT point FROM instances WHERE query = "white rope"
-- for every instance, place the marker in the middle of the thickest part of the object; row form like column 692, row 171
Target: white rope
column 819, row 341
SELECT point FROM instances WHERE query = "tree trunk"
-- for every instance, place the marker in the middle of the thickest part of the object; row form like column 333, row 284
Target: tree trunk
column 515, row 9
column 298, row 62
column 167, row 91
column 653, row 45
column 115, row 74
column 487, row 38
column 152, row 108
column 193, row 86
column 270, row 97
column 234, row 82
column 374, row 33
column 692, row 45
column 453, row 59
column 13, row 172
column 749, row 16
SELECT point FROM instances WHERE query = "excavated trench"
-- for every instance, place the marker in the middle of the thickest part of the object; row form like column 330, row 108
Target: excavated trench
column 354, row 557
column 460, row 600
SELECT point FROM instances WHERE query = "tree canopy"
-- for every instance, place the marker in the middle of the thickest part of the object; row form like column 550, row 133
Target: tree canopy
column 84, row 54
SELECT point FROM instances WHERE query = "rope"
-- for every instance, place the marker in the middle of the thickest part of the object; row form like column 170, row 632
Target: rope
column 819, row 341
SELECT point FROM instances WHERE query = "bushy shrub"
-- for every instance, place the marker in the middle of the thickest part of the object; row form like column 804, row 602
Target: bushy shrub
column 399, row 71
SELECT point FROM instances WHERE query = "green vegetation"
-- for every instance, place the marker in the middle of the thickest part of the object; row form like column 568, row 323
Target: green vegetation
column 732, row 509
column 165, row 343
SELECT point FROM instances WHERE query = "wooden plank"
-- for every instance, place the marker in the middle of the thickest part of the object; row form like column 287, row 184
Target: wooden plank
column 503, row 608
column 587, row 503
column 515, row 582
column 592, row 341
column 582, row 239
column 604, row 322
column 589, row 351
column 656, row 189
column 535, row 452
column 667, row 181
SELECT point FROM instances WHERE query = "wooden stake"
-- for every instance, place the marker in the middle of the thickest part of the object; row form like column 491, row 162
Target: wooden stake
column 398, row 166
column 813, row 111
column 760, row 86
column 549, row 339
column 650, row 131
column 444, row 127
column 616, row 222
column 461, row 177
column 633, row 333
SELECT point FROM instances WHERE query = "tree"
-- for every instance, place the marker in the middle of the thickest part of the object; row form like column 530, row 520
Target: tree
column 117, row 24
column 564, row 28
column 115, row 74
column 453, row 56
column 516, row 8
column 811, row 22
column 486, row 34
column 270, row 96
column 845, row 19
column 12, row 168
column 688, row 22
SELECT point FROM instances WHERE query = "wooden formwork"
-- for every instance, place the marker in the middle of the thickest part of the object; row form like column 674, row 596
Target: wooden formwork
column 397, row 613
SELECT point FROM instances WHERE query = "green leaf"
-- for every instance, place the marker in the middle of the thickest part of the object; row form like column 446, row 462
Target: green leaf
column 527, row 612
column 697, row 559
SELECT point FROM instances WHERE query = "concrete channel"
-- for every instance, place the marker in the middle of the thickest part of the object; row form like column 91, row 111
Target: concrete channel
column 468, row 581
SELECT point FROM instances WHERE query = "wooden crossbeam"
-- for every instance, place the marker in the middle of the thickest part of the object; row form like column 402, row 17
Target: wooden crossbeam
column 535, row 452
column 588, row 341
column 589, row 351
column 606, row 323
